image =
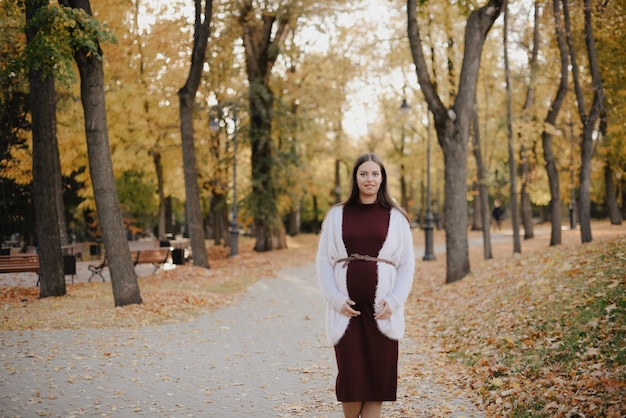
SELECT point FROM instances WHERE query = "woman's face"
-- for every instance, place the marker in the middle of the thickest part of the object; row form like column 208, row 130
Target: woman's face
column 369, row 177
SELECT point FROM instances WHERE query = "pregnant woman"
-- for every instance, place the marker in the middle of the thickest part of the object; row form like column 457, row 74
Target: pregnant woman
column 365, row 266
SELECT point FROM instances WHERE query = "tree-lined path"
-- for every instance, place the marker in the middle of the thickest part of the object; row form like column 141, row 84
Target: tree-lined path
column 471, row 347
column 264, row 355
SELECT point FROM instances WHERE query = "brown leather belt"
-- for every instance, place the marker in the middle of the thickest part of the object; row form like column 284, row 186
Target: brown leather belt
column 359, row 257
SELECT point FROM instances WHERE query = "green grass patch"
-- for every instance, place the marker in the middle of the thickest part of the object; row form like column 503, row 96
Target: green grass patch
column 545, row 334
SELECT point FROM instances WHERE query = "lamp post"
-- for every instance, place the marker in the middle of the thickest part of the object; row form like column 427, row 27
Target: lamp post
column 572, row 201
column 215, row 126
column 618, row 176
column 404, row 110
column 429, row 224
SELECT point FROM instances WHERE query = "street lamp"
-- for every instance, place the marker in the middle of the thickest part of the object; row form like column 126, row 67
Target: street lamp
column 405, row 108
column 215, row 126
column 429, row 223
column 618, row 175
column 572, row 201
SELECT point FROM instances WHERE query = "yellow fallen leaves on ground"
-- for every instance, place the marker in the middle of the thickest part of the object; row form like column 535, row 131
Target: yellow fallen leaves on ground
column 180, row 294
column 542, row 333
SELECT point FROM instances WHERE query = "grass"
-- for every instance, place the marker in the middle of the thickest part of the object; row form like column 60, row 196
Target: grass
column 549, row 339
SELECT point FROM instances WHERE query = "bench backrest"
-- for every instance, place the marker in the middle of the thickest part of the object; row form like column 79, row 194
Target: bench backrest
column 20, row 259
column 155, row 256
column 19, row 263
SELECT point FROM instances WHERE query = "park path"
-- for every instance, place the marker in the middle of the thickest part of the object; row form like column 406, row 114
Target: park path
column 264, row 355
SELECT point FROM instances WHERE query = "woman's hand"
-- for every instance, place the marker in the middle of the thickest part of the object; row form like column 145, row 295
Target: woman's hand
column 347, row 310
column 383, row 311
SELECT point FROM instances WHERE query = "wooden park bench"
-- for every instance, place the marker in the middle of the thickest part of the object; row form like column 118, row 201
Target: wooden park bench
column 20, row 263
column 96, row 269
column 156, row 256
column 23, row 263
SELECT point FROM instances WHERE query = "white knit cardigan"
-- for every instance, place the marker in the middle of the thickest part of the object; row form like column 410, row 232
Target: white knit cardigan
column 394, row 281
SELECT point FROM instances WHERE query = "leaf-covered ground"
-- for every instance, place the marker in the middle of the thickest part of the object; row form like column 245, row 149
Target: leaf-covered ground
column 178, row 294
column 540, row 333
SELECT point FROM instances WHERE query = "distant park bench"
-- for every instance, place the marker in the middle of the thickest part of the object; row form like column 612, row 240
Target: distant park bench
column 20, row 263
column 157, row 257
column 75, row 249
column 23, row 263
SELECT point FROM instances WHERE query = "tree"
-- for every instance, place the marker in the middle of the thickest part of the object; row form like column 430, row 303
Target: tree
column 307, row 116
column 615, row 216
column 142, row 75
column 46, row 171
column 588, row 120
column 483, row 195
column 525, row 153
column 319, row 85
column 186, row 95
column 549, row 128
column 611, row 148
column 43, row 54
column 517, row 248
column 263, row 34
column 16, row 181
column 89, row 60
column 225, row 81
column 452, row 126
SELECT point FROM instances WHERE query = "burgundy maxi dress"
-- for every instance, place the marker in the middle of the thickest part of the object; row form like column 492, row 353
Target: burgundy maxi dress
column 367, row 360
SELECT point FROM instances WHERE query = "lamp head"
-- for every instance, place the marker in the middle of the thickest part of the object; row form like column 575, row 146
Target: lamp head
column 214, row 124
column 404, row 107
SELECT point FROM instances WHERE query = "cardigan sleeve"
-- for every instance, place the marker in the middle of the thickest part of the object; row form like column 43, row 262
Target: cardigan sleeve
column 405, row 268
column 326, row 266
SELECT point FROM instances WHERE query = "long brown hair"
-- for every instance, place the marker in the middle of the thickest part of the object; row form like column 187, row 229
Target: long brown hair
column 383, row 195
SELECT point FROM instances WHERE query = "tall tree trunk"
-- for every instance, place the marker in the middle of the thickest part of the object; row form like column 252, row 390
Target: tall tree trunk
column 219, row 211
column 483, row 193
column 123, row 276
column 262, row 43
column 525, row 166
column 527, row 213
column 477, row 220
column 316, row 216
column 218, row 189
column 588, row 120
column 615, row 217
column 268, row 227
column 452, row 127
column 58, row 190
column 517, row 246
column 550, row 121
column 158, row 167
column 295, row 220
column 186, row 97
column 621, row 192
column 46, row 171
